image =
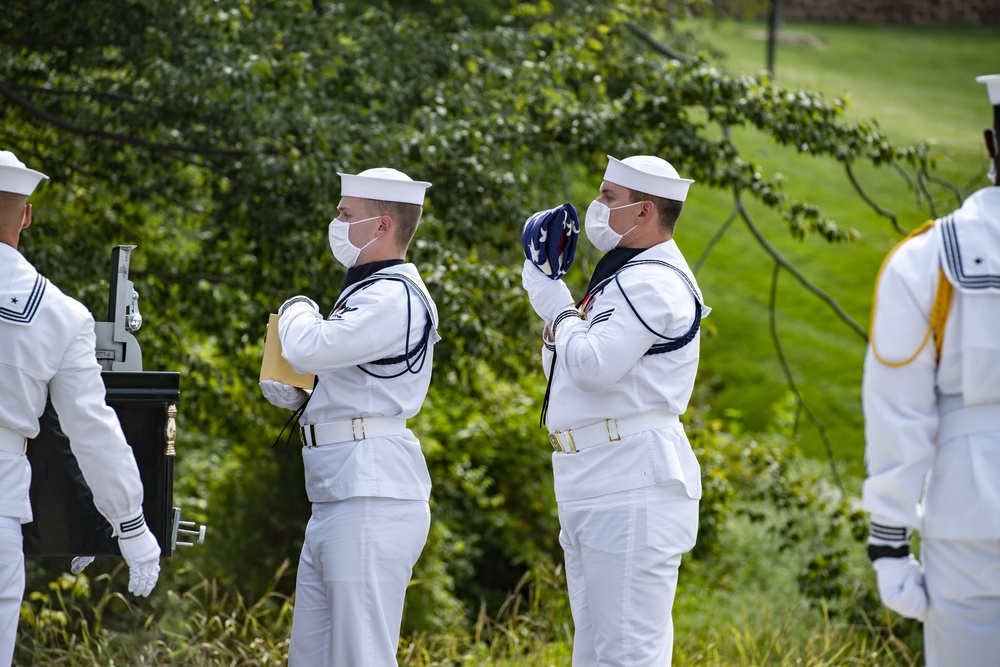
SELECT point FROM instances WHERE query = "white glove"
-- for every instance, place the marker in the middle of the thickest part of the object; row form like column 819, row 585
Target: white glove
column 79, row 563
column 548, row 297
column 901, row 586
column 283, row 395
column 142, row 554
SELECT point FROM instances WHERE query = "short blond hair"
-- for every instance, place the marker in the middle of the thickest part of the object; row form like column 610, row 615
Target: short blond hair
column 406, row 217
column 668, row 210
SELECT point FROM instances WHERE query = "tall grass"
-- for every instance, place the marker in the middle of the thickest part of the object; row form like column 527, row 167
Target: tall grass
column 205, row 626
column 763, row 640
column 89, row 622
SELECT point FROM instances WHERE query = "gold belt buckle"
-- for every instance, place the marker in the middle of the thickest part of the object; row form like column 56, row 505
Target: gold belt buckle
column 557, row 442
column 354, row 428
column 312, row 434
column 617, row 434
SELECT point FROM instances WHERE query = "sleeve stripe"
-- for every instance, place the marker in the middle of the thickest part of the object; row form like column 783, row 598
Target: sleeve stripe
column 131, row 524
column 568, row 313
column 889, row 533
column 600, row 317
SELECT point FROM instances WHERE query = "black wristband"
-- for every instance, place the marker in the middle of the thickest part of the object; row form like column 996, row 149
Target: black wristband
column 876, row 551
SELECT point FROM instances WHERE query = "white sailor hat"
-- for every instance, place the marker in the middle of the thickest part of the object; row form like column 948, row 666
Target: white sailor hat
column 649, row 174
column 383, row 184
column 15, row 177
column 992, row 82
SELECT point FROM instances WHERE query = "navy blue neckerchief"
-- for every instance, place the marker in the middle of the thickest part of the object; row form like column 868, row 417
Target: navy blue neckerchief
column 356, row 274
column 609, row 265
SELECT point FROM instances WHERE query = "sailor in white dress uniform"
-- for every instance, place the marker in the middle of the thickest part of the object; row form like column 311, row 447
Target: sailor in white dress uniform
column 621, row 369
column 931, row 396
column 365, row 472
column 48, row 350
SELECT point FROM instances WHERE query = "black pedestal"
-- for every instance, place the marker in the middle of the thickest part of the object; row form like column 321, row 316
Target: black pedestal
column 66, row 523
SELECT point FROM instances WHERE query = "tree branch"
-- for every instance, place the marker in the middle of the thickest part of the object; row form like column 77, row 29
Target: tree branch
column 948, row 185
column 94, row 94
column 871, row 202
column 773, row 323
column 922, row 180
column 830, row 301
column 975, row 180
column 7, row 91
column 641, row 33
column 716, row 237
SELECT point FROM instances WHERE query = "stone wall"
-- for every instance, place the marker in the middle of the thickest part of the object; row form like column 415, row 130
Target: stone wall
column 909, row 12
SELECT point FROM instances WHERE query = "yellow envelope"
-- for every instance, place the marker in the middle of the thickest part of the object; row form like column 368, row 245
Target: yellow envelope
column 276, row 367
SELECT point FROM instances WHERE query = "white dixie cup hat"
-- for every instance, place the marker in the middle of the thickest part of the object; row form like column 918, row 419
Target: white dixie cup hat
column 648, row 174
column 17, row 178
column 992, row 82
column 383, row 184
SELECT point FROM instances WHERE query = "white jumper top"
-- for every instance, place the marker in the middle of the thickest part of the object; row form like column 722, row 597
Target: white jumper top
column 932, row 427
column 47, row 349
column 369, row 324
column 602, row 371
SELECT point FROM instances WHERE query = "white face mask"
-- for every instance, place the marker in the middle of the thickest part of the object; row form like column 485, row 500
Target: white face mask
column 597, row 224
column 340, row 243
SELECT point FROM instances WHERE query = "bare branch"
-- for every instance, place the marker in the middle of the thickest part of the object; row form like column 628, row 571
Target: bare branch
column 715, row 239
column 7, row 91
column 871, row 202
column 771, row 250
column 94, row 94
column 948, row 185
column 973, row 182
column 772, row 321
column 922, row 181
column 641, row 33
column 906, row 176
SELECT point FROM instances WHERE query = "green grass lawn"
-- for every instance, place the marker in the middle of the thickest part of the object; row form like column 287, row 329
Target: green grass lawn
column 919, row 85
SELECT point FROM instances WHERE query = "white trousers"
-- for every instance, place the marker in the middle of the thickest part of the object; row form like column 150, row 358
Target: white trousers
column 356, row 562
column 623, row 552
column 963, row 588
column 11, row 585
